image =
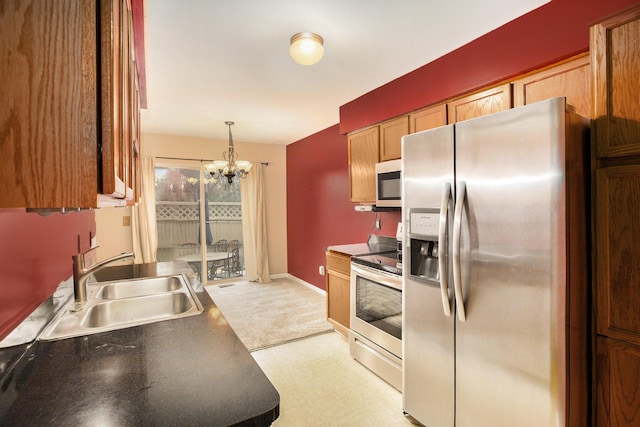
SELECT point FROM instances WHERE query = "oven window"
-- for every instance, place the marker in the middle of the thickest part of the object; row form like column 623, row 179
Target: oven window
column 379, row 305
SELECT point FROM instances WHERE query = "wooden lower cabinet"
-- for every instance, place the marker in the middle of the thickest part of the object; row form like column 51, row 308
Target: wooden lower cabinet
column 617, row 383
column 338, row 291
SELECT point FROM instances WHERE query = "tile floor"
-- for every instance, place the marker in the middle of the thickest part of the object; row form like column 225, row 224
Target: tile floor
column 320, row 385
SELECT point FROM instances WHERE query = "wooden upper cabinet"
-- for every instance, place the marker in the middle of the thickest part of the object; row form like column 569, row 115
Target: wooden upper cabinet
column 64, row 105
column 480, row 104
column 428, row 118
column 391, row 133
column 363, row 156
column 118, row 103
column 48, row 112
column 569, row 79
column 615, row 60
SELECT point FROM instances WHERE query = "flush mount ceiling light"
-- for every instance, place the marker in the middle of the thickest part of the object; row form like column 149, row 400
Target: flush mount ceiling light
column 306, row 48
column 230, row 166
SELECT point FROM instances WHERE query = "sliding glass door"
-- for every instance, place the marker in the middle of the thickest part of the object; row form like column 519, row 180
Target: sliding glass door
column 199, row 221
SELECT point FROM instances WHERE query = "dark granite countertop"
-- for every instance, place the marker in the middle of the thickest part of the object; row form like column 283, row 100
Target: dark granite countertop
column 189, row 371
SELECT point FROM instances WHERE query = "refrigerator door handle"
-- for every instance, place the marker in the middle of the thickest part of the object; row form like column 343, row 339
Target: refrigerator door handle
column 442, row 259
column 457, row 225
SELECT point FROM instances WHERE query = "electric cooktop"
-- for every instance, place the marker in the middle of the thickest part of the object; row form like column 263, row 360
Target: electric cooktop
column 385, row 261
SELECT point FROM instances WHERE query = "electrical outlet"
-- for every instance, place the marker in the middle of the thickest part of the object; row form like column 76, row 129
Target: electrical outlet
column 321, row 270
column 126, row 221
column 378, row 224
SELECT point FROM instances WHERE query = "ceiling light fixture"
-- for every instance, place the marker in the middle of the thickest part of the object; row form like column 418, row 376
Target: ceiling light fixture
column 230, row 166
column 306, row 48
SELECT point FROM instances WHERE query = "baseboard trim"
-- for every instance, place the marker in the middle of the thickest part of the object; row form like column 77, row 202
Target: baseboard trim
column 300, row 281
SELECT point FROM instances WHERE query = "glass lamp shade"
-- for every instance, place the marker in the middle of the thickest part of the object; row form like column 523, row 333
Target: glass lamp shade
column 306, row 48
column 244, row 165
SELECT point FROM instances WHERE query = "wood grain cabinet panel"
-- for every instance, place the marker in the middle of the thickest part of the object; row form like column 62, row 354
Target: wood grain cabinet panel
column 617, row 252
column 48, row 64
column 617, row 383
column 65, row 113
column 570, row 79
column 480, row 104
column 615, row 58
column 615, row 83
column 338, row 293
column 363, row 156
column 428, row 118
column 119, row 109
column 391, row 133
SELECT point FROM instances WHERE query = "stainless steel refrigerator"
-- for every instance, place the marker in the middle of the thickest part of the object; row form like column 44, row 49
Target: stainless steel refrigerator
column 495, row 276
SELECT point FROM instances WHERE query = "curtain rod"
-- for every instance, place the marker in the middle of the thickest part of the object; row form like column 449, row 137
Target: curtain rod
column 197, row 160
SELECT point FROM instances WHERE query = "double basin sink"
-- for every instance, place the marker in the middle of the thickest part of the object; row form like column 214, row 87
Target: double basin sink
column 125, row 303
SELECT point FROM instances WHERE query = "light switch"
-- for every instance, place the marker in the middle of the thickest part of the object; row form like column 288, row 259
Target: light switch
column 126, row 221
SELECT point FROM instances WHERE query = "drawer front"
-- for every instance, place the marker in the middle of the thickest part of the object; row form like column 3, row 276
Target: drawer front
column 339, row 262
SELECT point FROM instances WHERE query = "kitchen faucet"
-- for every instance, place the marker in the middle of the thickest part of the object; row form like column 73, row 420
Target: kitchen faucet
column 83, row 266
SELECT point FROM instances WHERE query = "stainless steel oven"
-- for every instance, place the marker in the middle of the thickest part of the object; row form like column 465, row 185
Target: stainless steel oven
column 375, row 338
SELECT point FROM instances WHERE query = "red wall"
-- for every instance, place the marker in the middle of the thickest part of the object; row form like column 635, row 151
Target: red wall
column 35, row 256
column 319, row 213
column 552, row 32
column 318, row 207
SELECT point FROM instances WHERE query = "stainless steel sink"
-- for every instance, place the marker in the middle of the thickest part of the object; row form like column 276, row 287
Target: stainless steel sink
column 117, row 312
column 139, row 287
column 123, row 304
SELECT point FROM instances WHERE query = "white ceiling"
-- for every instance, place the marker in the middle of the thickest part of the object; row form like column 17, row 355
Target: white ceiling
column 209, row 61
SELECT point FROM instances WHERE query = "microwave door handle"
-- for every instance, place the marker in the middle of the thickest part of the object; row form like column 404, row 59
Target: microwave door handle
column 457, row 225
column 442, row 259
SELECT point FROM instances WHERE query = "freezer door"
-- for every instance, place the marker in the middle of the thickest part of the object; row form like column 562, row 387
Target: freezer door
column 428, row 335
column 512, row 228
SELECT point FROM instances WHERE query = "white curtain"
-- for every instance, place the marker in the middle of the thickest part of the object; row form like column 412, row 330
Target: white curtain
column 145, row 232
column 254, row 226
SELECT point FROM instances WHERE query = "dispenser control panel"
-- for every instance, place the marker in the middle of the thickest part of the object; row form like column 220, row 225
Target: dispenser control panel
column 423, row 244
column 424, row 223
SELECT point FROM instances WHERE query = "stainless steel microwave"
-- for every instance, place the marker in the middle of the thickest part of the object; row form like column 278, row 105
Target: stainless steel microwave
column 388, row 183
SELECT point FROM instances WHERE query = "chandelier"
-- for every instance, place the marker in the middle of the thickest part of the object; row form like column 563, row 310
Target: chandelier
column 230, row 166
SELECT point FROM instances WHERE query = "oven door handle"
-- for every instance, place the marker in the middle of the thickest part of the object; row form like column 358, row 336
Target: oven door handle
column 442, row 245
column 377, row 276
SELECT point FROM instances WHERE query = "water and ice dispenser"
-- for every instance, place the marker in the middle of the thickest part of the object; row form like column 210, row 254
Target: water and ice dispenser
column 424, row 248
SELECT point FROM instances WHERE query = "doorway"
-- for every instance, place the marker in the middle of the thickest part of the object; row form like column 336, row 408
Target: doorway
column 199, row 221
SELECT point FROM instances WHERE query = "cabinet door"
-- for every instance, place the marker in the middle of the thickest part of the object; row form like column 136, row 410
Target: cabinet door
column 338, row 301
column 570, row 79
column 617, row 252
column 428, row 118
column 479, row 104
column 48, row 107
column 338, row 295
column 617, row 383
column 363, row 156
column 391, row 133
column 116, row 98
column 615, row 58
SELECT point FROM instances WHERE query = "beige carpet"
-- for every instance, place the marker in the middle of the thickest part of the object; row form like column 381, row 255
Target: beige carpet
column 268, row 314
